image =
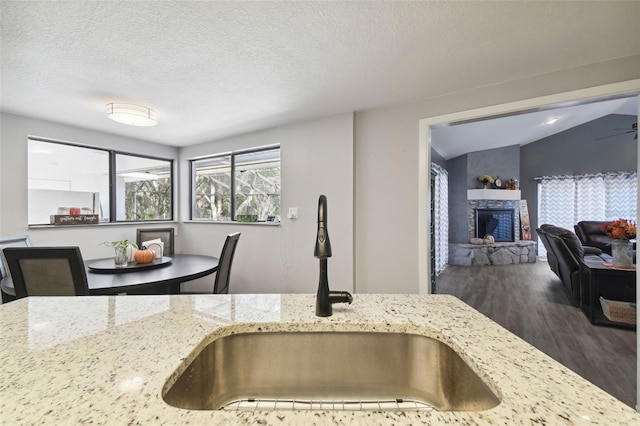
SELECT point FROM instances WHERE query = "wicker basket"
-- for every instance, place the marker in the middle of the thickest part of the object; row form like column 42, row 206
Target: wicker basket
column 624, row 312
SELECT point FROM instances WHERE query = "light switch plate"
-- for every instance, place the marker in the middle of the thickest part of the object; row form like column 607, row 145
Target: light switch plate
column 293, row 213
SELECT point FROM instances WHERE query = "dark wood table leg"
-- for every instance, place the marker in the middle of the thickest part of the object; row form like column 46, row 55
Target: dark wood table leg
column 592, row 296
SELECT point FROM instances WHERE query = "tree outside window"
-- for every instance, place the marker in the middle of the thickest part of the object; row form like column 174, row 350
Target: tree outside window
column 143, row 188
column 242, row 186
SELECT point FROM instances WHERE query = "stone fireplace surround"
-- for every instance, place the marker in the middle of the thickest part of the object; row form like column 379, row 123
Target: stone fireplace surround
column 466, row 192
column 492, row 254
column 501, row 253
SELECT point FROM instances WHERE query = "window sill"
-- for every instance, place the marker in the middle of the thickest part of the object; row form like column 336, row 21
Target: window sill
column 216, row 222
column 93, row 225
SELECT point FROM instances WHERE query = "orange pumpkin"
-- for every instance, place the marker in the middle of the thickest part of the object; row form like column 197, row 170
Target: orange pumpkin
column 144, row 256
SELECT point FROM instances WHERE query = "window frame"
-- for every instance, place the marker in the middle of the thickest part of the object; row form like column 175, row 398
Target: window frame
column 112, row 180
column 112, row 153
column 232, row 155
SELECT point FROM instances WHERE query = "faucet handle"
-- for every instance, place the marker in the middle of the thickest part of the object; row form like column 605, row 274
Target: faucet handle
column 340, row 297
column 323, row 245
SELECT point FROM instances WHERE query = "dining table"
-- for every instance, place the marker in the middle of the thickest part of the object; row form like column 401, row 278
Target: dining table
column 163, row 277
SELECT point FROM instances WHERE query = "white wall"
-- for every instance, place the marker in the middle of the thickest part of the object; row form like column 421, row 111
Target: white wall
column 316, row 158
column 14, row 131
column 388, row 159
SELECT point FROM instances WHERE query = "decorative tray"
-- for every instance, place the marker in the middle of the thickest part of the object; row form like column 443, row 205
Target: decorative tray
column 610, row 266
column 107, row 266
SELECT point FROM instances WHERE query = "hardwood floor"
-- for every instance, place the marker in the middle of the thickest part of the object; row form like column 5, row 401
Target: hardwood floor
column 531, row 302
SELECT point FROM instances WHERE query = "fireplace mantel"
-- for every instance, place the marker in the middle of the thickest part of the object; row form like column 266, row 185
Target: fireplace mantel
column 493, row 194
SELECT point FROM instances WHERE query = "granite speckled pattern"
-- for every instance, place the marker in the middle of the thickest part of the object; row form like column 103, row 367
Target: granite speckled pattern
column 105, row 359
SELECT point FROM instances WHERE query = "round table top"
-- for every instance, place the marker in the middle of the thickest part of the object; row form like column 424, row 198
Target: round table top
column 183, row 267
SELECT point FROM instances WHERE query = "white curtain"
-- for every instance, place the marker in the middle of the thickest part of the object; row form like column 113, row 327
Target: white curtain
column 441, row 216
column 566, row 200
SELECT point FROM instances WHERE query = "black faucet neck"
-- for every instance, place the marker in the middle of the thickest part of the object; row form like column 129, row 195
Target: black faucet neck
column 323, row 244
column 322, row 209
column 323, row 304
column 322, row 251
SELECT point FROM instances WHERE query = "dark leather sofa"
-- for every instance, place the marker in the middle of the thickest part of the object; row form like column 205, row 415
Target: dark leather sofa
column 591, row 234
column 565, row 253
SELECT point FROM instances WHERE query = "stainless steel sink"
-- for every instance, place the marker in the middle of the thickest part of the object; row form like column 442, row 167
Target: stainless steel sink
column 329, row 370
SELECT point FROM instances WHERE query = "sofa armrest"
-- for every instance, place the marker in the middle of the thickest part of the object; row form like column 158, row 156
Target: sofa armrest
column 592, row 250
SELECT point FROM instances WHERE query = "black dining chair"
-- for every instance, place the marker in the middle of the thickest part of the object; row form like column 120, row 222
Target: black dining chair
column 166, row 235
column 16, row 241
column 221, row 284
column 47, row 271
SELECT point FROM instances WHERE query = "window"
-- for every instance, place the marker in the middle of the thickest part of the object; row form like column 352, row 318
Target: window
column 565, row 200
column 67, row 179
column 143, row 188
column 241, row 186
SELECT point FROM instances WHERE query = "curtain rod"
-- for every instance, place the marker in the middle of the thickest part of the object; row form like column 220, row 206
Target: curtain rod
column 586, row 175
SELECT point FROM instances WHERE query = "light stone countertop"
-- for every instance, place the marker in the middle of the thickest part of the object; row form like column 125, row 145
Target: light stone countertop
column 105, row 359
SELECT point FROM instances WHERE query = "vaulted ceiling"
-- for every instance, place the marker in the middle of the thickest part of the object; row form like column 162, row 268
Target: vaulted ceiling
column 216, row 69
column 523, row 128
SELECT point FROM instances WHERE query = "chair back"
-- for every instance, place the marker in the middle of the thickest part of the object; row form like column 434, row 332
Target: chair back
column 221, row 285
column 47, row 271
column 17, row 241
column 166, row 235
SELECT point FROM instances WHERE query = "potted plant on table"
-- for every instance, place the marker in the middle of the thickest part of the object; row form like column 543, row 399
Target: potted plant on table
column 124, row 250
column 621, row 232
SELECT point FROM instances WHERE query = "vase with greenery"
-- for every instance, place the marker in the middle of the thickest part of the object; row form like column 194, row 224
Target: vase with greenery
column 486, row 180
column 621, row 232
column 121, row 248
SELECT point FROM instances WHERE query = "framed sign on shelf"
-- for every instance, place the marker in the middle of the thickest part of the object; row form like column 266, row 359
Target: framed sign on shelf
column 525, row 223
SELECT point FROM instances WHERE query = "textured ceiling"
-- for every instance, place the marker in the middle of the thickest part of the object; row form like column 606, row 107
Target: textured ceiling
column 215, row 69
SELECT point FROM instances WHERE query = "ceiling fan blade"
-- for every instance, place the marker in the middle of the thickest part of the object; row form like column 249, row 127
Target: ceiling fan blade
column 633, row 127
column 615, row 134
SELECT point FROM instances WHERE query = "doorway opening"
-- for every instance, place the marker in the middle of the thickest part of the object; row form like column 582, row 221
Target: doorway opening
column 585, row 97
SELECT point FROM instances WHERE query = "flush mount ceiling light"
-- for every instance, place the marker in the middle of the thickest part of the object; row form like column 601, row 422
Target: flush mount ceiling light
column 133, row 115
